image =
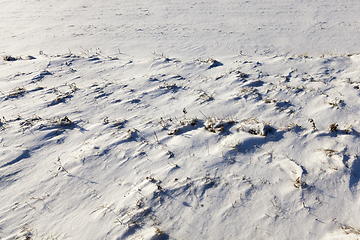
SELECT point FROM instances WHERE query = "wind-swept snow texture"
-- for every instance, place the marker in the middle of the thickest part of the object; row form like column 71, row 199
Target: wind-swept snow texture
column 179, row 120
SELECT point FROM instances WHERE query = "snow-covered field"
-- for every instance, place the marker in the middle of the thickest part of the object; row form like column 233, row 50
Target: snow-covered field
column 179, row 119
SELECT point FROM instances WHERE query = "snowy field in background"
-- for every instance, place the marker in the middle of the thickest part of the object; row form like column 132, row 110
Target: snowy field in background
column 179, row 120
column 190, row 29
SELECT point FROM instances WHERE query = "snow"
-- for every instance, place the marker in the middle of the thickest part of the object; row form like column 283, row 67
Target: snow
column 179, row 120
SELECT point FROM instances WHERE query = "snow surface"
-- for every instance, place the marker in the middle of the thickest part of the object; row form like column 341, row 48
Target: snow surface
column 179, row 119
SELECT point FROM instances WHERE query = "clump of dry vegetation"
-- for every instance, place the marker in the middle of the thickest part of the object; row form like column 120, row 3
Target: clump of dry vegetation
column 253, row 126
column 65, row 121
column 333, row 127
column 16, row 92
column 214, row 125
column 12, row 58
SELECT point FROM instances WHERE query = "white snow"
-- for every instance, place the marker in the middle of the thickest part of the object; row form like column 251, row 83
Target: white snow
column 179, row 119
